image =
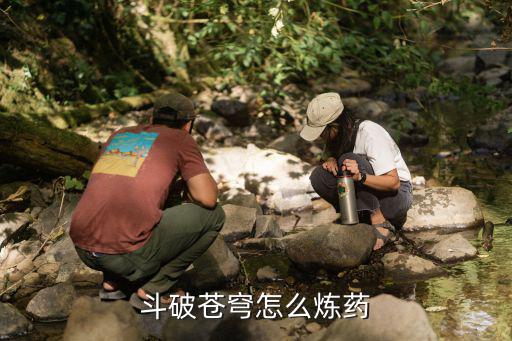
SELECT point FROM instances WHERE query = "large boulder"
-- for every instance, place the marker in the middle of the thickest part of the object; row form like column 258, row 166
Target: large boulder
column 444, row 208
column 239, row 222
column 215, row 267
column 12, row 322
column 48, row 218
column 463, row 65
column 91, row 319
column 389, row 319
column 487, row 59
column 280, row 180
column 453, row 248
column 267, row 226
column 493, row 136
column 332, row 246
column 240, row 197
column 495, row 76
column 404, row 267
column 367, row 108
column 12, row 222
column 235, row 112
column 53, row 303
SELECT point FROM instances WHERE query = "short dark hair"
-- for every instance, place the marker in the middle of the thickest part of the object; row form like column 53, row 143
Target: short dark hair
column 168, row 117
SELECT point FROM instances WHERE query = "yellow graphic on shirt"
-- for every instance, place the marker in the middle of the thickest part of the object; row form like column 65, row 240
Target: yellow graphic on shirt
column 125, row 154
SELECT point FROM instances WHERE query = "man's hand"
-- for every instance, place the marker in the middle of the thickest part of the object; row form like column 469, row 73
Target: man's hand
column 353, row 167
column 202, row 190
column 331, row 165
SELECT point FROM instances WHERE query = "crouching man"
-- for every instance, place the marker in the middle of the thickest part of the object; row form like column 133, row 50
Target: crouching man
column 120, row 225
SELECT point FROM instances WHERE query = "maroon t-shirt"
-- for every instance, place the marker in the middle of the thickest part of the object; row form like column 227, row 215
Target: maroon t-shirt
column 129, row 185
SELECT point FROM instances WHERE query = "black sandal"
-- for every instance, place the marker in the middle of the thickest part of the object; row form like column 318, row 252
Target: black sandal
column 107, row 295
column 386, row 239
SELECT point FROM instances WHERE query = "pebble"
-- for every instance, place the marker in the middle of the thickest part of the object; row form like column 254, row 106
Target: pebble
column 313, row 327
column 48, row 268
column 25, row 266
column 15, row 276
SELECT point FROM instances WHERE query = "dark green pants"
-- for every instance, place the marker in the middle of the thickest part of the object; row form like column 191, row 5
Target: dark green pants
column 183, row 234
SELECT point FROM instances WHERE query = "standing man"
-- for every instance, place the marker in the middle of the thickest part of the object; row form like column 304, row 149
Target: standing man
column 120, row 225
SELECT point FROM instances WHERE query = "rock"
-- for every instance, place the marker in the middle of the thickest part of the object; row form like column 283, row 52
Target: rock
column 94, row 320
column 48, row 269
column 12, row 258
column 235, row 112
column 333, row 247
column 48, row 217
column 15, row 276
column 404, row 267
column 66, row 263
column 366, row 108
column 280, row 180
column 53, row 303
column 25, row 266
column 12, row 222
column 418, row 182
column 32, row 279
column 267, row 226
column 215, row 267
column 493, row 135
column 488, row 59
column 407, row 322
column 36, row 197
column 444, row 208
column 292, row 144
column 452, row 249
column 267, row 274
column 344, row 86
column 239, row 222
column 270, row 244
column 464, row 65
column 313, row 327
column 29, row 247
column 240, row 197
column 495, row 76
column 12, row 322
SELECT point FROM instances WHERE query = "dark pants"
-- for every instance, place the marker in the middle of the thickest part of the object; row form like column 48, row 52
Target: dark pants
column 394, row 205
column 183, row 234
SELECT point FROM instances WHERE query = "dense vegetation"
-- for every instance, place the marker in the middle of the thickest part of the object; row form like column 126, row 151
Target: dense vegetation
column 58, row 53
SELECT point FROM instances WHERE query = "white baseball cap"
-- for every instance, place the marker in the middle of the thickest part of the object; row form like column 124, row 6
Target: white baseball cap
column 322, row 110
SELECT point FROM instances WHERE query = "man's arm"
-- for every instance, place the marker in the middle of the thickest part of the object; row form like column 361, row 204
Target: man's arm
column 385, row 182
column 202, row 190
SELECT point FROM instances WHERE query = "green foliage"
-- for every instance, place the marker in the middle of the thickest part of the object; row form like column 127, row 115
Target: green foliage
column 76, row 184
column 509, row 130
column 480, row 96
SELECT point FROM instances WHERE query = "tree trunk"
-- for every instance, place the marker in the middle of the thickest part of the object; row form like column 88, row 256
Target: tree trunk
column 44, row 148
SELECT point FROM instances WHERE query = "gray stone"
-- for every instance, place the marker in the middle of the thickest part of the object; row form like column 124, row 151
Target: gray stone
column 94, row 320
column 390, row 319
column 280, row 180
column 53, row 303
column 267, row 274
column 267, row 226
column 453, row 248
column 333, row 247
column 344, row 86
column 458, row 65
column 444, row 208
column 494, row 76
column 239, row 222
column 36, row 197
column 215, row 267
column 12, row 322
column 367, row 108
column 235, row 112
column 240, row 197
column 48, row 217
column 11, row 222
column 404, row 267
column 489, row 59
column 493, row 135
column 11, row 257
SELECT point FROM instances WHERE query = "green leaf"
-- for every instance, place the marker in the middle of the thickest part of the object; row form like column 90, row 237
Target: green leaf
column 376, row 22
column 509, row 130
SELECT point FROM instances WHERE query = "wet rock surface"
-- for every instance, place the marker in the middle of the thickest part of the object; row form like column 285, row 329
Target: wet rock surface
column 451, row 249
column 91, row 319
column 404, row 267
column 239, row 222
column 493, row 136
column 444, row 208
column 12, row 322
column 53, row 303
column 333, row 247
column 215, row 267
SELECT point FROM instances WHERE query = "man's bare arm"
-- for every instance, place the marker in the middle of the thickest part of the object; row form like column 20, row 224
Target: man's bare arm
column 202, row 189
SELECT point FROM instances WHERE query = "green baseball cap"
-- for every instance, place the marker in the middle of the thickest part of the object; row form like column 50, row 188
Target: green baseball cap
column 174, row 107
